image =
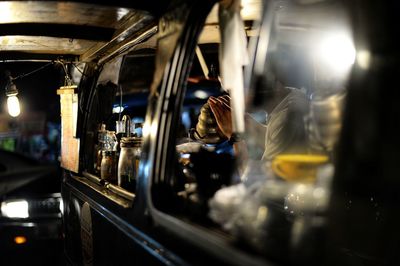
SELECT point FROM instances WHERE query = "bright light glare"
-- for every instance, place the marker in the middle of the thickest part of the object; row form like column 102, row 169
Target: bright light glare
column 20, row 240
column 337, row 52
column 364, row 59
column 118, row 109
column 6, row 14
column 61, row 206
column 251, row 9
column 13, row 106
column 15, row 209
column 201, row 94
column 149, row 129
column 121, row 12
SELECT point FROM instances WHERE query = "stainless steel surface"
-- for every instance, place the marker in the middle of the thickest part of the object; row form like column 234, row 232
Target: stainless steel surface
column 104, row 190
column 121, row 192
column 119, row 46
column 115, row 189
column 91, row 177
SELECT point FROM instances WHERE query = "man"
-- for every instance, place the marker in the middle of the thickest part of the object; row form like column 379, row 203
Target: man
column 284, row 130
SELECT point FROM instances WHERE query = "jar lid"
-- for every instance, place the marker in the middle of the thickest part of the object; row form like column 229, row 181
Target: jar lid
column 131, row 142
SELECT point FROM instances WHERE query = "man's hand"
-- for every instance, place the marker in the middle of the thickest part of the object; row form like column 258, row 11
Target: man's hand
column 221, row 109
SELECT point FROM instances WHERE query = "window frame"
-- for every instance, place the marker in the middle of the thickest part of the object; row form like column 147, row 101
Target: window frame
column 159, row 167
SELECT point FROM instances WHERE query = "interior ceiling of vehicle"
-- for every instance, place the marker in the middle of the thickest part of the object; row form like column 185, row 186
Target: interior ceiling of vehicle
column 86, row 30
column 74, row 30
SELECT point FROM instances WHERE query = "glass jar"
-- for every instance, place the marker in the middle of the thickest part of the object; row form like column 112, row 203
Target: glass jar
column 128, row 163
column 108, row 166
column 98, row 148
column 110, row 141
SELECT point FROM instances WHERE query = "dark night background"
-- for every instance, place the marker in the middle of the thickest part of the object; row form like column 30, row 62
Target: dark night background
column 36, row 92
column 37, row 137
column 36, row 131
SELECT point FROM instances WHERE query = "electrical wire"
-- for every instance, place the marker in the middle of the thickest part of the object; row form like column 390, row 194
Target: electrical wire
column 68, row 80
column 120, row 103
column 34, row 71
column 77, row 68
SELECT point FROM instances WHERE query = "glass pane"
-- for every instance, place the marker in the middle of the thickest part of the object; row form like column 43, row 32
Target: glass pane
column 117, row 117
column 278, row 199
column 269, row 185
column 205, row 157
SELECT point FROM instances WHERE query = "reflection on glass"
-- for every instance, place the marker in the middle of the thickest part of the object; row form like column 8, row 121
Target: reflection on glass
column 269, row 187
column 337, row 51
column 293, row 120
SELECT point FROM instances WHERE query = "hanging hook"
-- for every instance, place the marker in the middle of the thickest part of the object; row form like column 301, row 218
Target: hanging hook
column 68, row 80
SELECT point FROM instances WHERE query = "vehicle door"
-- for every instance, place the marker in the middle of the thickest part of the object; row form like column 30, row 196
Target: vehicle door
column 105, row 220
column 269, row 203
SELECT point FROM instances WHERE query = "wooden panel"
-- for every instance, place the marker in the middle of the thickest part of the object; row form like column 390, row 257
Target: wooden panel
column 71, row 28
column 49, row 45
column 62, row 12
column 69, row 144
column 69, row 31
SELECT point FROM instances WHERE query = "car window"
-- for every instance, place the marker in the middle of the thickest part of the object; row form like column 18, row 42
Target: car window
column 116, row 118
column 278, row 166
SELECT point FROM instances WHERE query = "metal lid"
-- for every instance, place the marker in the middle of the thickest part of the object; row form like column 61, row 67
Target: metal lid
column 131, row 142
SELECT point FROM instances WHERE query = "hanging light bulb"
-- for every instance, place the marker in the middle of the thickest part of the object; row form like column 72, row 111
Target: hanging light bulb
column 13, row 106
column 12, row 100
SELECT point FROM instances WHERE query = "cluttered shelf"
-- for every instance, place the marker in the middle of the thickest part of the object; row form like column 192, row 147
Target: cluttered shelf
column 114, row 193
